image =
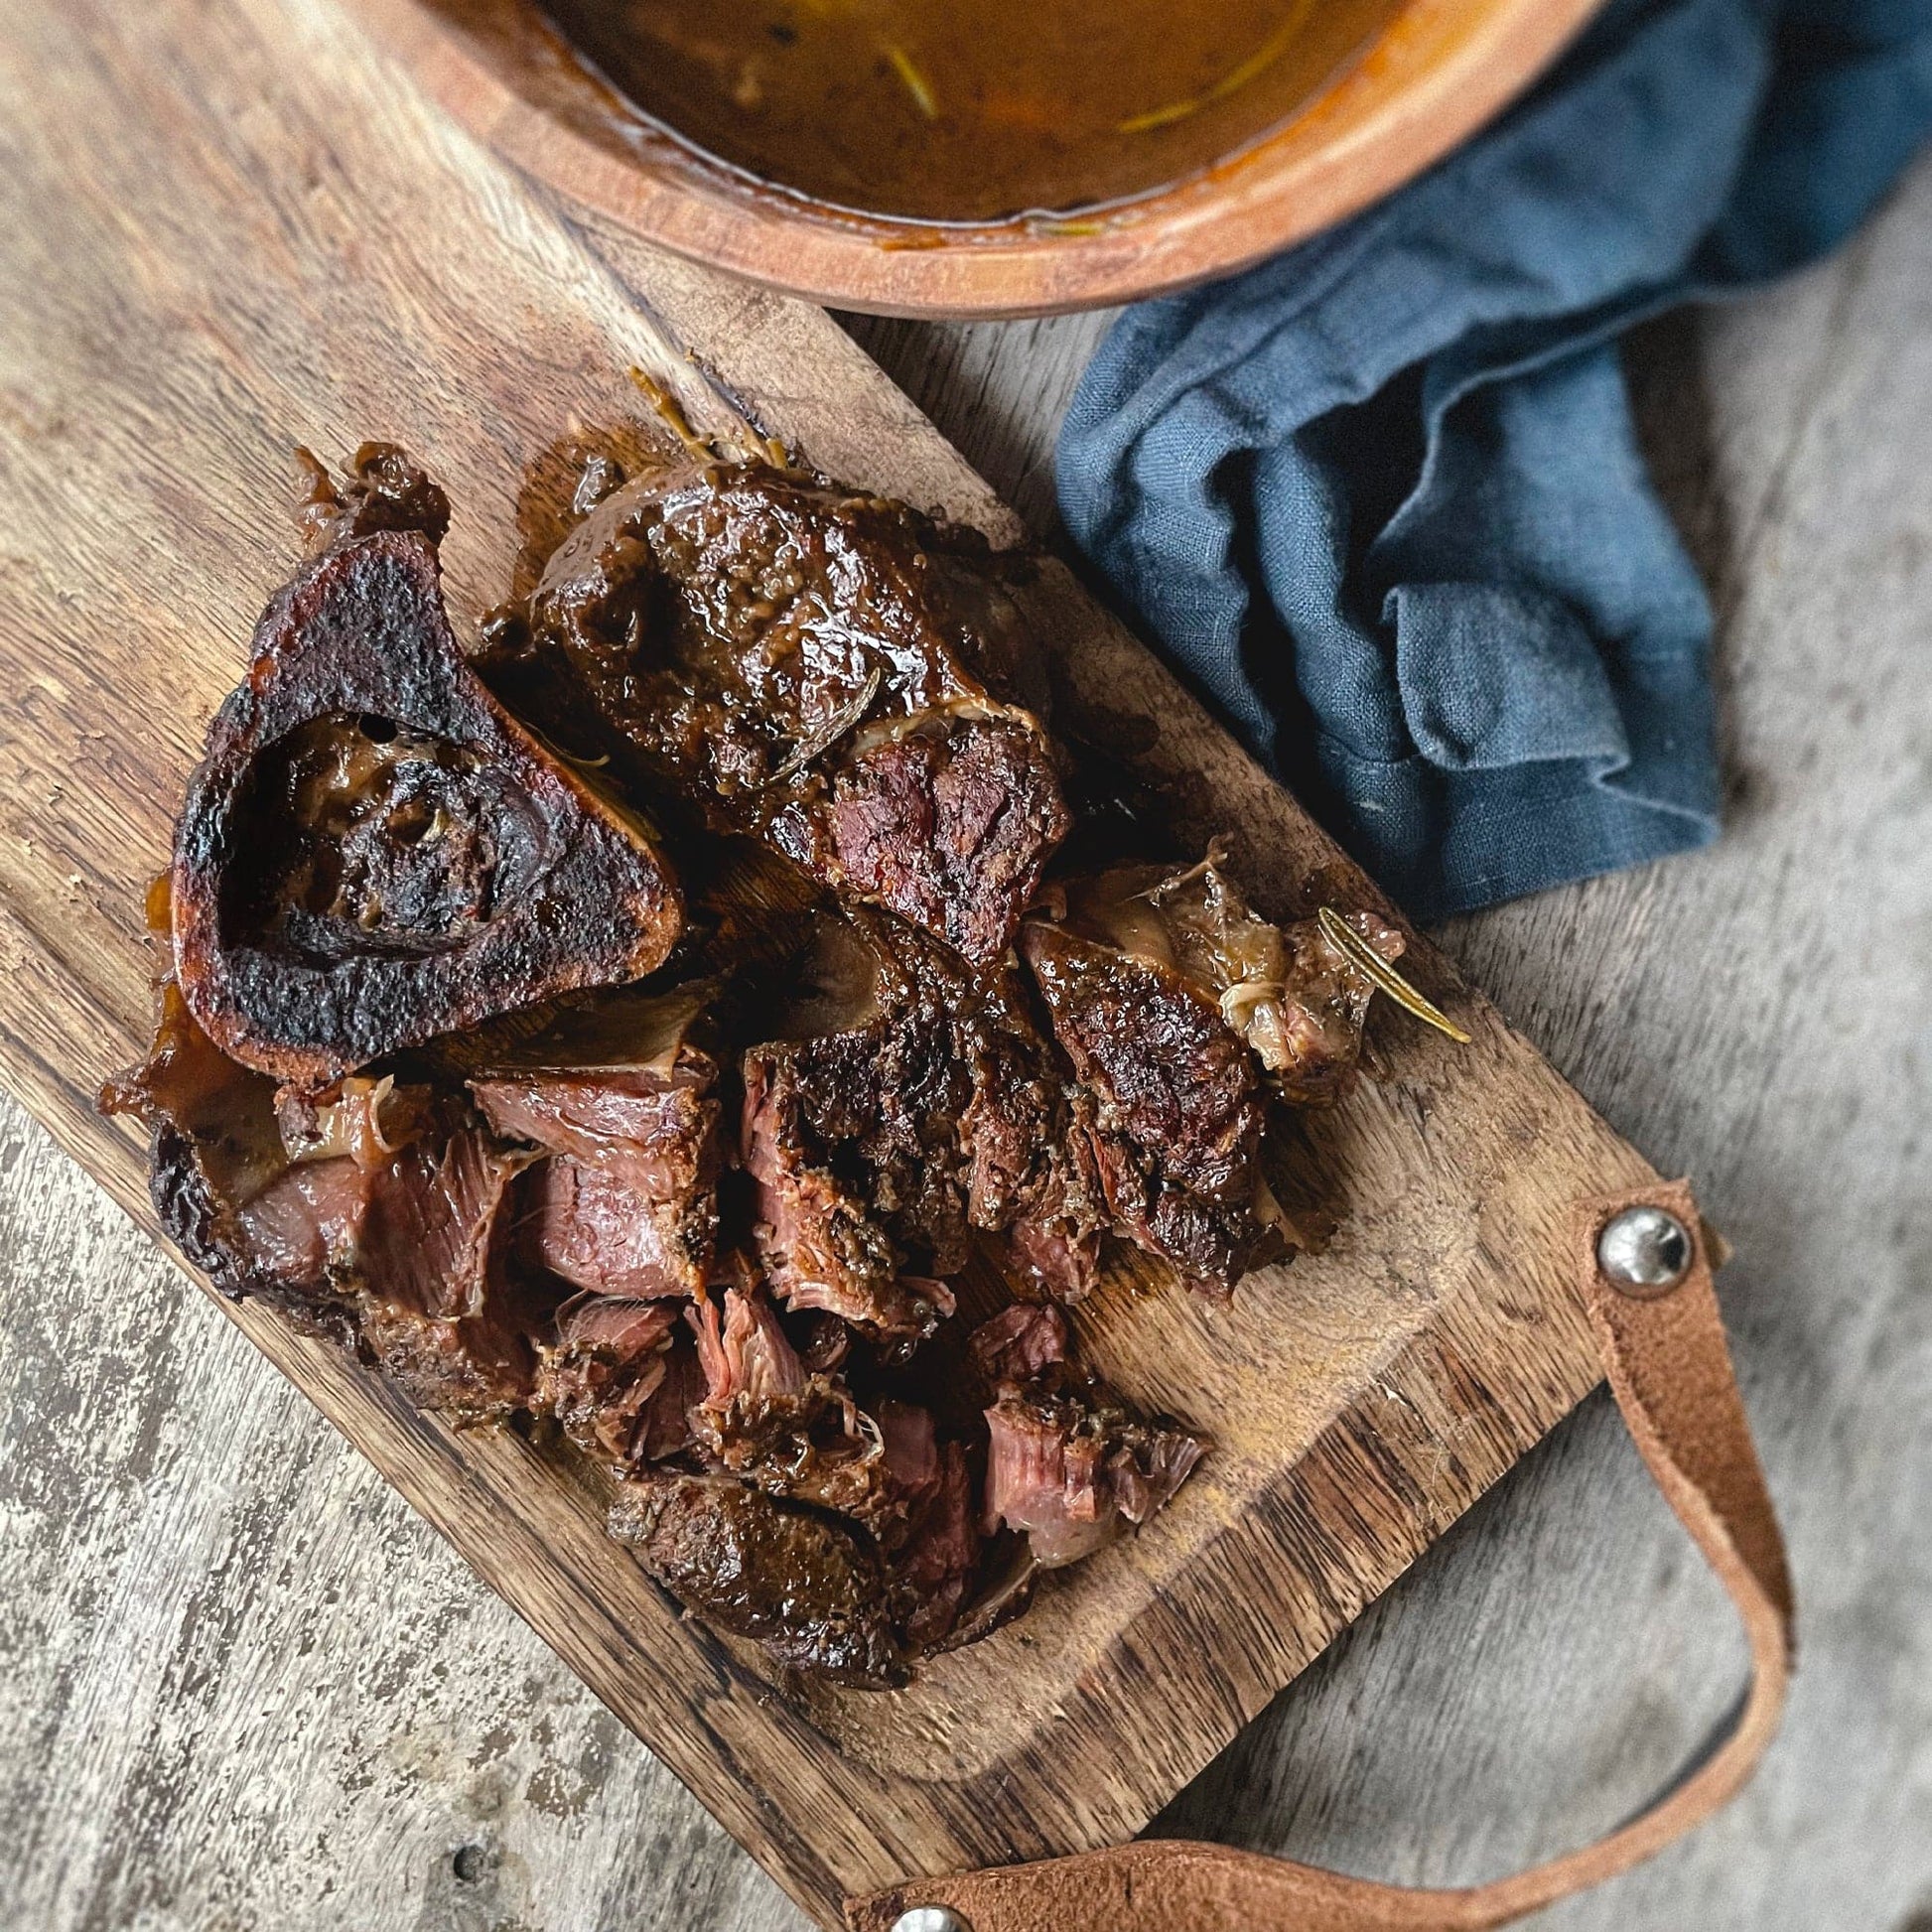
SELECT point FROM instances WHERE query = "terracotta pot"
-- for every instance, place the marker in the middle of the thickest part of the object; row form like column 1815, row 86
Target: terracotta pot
column 1442, row 68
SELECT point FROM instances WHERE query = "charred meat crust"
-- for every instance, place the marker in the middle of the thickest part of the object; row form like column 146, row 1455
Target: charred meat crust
column 826, row 671
column 1173, row 1077
column 1175, row 1124
column 372, row 851
column 881, row 1148
column 796, row 1581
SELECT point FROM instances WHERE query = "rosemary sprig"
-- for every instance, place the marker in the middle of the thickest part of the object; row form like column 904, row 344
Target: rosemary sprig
column 1365, row 959
column 850, row 718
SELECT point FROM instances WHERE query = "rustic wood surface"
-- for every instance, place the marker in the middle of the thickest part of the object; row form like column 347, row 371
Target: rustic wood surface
column 245, row 1687
column 230, row 224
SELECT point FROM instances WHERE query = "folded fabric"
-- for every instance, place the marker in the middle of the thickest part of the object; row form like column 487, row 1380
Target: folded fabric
column 1382, row 498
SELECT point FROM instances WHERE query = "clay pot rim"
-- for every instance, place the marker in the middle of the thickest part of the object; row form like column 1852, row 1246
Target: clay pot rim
column 1439, row 72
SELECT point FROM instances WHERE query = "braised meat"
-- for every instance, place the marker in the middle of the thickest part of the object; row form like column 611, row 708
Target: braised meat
column 1174, row 1131
column 376, row 1212
column 933, row 1577
column 836, row 676
column 851, row 1135
column 418, row 1077
column 910, row 1107
column 802, row 1436
column 624, row 1103
column 800, row 1583
column 372, row 851
column 1068, row 1463
column 1018, row 1342
column 214, row 1147
column 619, row 1379
column 1296, row 1000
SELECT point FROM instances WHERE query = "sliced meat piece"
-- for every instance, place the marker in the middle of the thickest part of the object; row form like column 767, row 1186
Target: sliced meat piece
column 915, row 1103
column 582, row 1220
column 371, row 851
column 626, row 1071
column 1172, row 1076
column 664, row 1141
column 933, row 1576
column 613, row 1378
column 1068, row 1463
column 800, row 1583
column 1031, row 1176
column 1298, row 1002
column 628, row 1204
column 403, row 1255
column 1173, row 1133
column 1211, row 1243
column 1018, row 1342
column 436, row 1223
column 829, row 672
column 436, row 1305
column 749, row 1367
column 947, row 825
column 305, row 1231
column 825, row 1241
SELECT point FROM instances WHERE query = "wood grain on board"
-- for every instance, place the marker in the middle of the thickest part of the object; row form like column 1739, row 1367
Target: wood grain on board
column 230, row 226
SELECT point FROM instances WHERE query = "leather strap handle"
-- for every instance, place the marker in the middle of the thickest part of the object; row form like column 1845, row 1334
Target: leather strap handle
column 1665, row 1357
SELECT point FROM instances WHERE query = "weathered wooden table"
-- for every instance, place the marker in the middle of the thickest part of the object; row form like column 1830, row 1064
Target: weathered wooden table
column 240, row 1685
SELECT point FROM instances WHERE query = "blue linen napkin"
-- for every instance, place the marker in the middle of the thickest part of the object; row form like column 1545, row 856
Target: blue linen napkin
column 1382, row 498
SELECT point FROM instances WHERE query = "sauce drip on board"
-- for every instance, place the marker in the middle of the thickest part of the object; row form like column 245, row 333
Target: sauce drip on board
column 969, row 110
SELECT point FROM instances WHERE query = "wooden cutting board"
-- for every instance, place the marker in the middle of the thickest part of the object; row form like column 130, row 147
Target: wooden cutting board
column 228, row 227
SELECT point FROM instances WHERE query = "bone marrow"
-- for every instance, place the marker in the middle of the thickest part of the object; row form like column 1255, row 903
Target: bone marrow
column 372, row 851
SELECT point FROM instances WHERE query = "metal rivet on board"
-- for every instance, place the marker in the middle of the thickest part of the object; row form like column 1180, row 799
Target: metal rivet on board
column 1645, row 1250
column 930, row 1919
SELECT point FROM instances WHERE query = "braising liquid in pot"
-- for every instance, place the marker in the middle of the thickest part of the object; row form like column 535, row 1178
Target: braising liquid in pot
column 967, row 110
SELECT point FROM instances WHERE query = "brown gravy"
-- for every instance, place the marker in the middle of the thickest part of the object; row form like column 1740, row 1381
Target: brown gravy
column 969, row 110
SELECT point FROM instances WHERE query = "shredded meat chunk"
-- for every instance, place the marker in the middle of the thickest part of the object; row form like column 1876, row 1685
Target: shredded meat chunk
column 624, row 1105
column 825, row 671
column 399, row 1248
column 799, row 1582
column 1070, row 1462
column 617, row 1381
column 923, row 1108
